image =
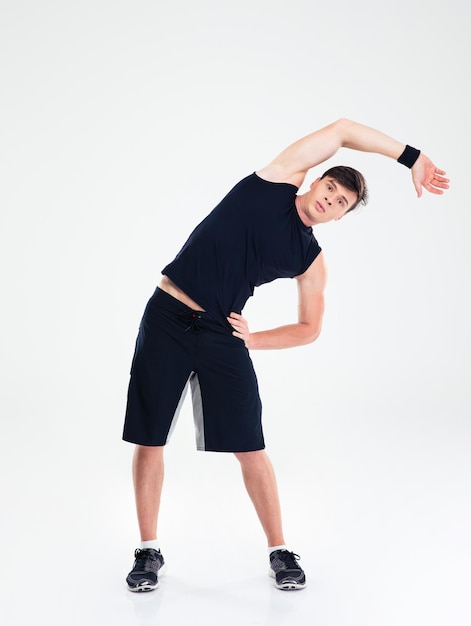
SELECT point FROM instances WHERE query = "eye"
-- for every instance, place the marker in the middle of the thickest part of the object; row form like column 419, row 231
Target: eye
column 340, row 201
column 329, row 187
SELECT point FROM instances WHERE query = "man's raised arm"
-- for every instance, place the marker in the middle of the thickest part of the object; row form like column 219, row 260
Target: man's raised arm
column 292, row 165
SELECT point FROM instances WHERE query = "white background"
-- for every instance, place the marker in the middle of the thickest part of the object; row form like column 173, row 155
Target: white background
column 122, row 124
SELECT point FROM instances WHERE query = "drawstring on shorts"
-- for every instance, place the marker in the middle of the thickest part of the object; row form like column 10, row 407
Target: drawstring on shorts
column 192, row 320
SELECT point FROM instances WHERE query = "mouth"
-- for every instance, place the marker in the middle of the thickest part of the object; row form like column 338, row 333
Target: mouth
column 319, row 207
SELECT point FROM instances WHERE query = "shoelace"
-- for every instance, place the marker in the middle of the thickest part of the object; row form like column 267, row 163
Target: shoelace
column 290, row 559
column 142, row 557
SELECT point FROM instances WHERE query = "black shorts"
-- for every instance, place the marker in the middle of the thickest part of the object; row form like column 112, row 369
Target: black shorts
column 176, row 347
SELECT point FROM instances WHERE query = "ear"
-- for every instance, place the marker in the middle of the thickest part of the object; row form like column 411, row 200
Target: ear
column 314, row 182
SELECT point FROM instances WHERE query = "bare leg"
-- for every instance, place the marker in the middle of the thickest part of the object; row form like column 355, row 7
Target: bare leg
column 260, row 481
column 148, row 476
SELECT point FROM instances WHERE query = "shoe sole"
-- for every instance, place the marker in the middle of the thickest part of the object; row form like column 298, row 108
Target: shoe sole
column 289, row 585
column 143, row 587
column 148, row 586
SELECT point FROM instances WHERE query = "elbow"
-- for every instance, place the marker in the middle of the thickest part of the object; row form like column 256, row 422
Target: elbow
column 342, row 122
column 312, row 333
column 342, row 127
column 314, row 336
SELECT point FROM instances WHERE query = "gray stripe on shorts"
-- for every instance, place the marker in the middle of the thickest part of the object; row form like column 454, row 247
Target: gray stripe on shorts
column 197, row 411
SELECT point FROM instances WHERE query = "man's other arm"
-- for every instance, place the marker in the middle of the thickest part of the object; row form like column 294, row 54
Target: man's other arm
column 311, row 286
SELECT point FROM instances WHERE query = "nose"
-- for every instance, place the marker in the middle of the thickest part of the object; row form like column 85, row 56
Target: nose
column 329, row 202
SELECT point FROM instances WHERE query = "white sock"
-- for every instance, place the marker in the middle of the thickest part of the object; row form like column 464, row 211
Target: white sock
column 273, row 548
column 152, row 543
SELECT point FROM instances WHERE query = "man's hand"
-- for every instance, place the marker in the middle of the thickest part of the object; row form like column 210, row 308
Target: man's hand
column 241, row 327
column 425, row 174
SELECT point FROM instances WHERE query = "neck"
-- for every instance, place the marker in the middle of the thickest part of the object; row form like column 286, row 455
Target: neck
column 300, row 203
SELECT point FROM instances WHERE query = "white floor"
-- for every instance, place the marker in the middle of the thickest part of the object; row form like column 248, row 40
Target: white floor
column 393, row 555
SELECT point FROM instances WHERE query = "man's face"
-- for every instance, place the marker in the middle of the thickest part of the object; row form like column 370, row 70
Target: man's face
column 329, row 200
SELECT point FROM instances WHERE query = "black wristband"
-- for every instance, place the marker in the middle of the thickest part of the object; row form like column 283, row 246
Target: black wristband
column 409, row 156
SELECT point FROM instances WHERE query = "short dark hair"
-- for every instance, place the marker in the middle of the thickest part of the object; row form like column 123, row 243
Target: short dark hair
column 351, row 179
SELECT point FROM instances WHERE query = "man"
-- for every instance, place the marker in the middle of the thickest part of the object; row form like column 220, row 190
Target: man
column 193, row 333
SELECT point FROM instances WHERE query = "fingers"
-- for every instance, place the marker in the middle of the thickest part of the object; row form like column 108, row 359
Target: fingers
column 437, row 183
column 238, row 322
column 433, row 180
column 433, row 190
column 235, row 319
column 240, row 326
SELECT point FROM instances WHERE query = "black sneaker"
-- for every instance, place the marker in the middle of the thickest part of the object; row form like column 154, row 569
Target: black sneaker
column 285, row 570
column 144, row 574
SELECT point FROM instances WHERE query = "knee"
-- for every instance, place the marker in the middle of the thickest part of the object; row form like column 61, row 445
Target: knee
column 246, row 459
column 150, row 453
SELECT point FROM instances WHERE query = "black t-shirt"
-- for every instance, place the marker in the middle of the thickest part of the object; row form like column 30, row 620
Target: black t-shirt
column 253, row 236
